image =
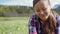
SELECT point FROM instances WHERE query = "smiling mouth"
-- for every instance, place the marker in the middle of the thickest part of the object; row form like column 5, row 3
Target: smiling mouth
column 43, row 16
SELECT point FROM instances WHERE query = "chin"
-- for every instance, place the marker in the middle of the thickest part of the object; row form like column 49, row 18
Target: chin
column 44, row 18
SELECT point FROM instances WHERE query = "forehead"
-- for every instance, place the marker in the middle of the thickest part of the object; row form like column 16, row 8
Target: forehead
column 42, row 4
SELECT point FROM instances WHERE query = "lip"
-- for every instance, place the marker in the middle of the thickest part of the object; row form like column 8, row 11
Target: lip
column 43, row 15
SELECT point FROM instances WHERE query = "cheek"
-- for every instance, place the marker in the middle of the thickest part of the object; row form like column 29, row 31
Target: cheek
column 48, row 11
column 38, row 13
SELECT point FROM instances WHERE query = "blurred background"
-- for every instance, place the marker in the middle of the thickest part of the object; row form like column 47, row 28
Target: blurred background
column 15, row 14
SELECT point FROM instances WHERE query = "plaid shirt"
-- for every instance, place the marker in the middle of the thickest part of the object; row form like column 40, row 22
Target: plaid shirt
column 35, row 26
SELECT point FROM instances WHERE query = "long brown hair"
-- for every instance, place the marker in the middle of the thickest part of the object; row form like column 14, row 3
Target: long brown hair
column 50, row 25
column 35, row 1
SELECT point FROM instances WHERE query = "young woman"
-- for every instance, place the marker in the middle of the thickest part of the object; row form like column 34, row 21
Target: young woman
column 44, row 21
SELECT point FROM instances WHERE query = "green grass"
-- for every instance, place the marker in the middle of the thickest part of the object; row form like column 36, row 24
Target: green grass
column 14, row 25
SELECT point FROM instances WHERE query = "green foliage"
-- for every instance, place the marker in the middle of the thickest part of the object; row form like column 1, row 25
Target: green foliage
column 7, row 10
column 14, row 25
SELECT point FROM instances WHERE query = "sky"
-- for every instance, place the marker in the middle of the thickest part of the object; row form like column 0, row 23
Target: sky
column 24, row 2
column 16, row 2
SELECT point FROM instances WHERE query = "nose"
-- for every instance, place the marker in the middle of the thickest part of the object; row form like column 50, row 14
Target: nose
column 41, row 12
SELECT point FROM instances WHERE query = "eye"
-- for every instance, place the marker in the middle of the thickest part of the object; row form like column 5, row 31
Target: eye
column 44, row 9
column 38, row 10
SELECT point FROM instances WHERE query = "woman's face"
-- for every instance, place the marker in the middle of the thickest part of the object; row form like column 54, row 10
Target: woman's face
column 42, row 9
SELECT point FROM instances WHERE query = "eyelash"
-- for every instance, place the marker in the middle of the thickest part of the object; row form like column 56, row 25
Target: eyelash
column 42, row 9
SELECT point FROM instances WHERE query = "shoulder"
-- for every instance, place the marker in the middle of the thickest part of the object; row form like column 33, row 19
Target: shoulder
column 33, row 17
column 33, row 20
column 58, row 19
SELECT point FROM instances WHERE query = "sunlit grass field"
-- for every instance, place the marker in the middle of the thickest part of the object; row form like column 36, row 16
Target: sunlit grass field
column 14, row 25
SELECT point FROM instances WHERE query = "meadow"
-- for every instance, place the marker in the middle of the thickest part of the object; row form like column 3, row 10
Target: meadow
column 14, row 25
